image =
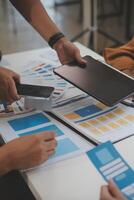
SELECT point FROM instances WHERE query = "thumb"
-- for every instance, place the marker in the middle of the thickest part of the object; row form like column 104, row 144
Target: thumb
column 16, row 77
column 114, row 190
column 78, row 57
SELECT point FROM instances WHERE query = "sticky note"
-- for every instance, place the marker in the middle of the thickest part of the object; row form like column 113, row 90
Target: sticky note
column 84, row 124
column 130, row 117
column 122, row 121
column 72, row 116
column 102, row 118
column 111, row 115
column 93, row 122
column 119, row 111
column 113, row 125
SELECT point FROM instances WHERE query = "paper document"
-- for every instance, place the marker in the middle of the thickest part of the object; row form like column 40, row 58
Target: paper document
column 68, row 143
column 95, row 120
column 42, row 74
column 90, row 117
column 15, row 108
column 111, row 165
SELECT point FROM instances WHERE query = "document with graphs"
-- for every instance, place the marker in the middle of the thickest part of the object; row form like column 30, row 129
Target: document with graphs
column 69, row 144
column 95, row 120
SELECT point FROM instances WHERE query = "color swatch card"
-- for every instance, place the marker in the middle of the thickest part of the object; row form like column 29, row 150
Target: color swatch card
column 17, row 107
column 68, row 143
column 95, row 120
column 42, row 74
column 111, row 165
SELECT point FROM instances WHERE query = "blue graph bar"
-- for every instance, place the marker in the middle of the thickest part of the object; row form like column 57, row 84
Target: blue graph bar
column 53, row 128
column 28, row 121
column 89, row 110
column 65, row 146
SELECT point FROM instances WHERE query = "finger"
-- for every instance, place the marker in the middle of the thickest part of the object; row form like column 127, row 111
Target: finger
column 47, row 135
column 51, row 152
column 79, row 58
column 10, row 100
column 50, row 145
column 129, row 72
column 104, row 194
column 64, row 62
column 64, row 57
column 16, row 78
column 3, row 94
column 13, row 91
column 8, row 97
column 114, row 189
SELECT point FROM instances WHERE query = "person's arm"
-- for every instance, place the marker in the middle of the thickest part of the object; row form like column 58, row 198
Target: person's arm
column 26, row 152
column 36, row 15
column 4, row 161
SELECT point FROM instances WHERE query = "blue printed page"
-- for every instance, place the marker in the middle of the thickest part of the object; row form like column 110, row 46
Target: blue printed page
column 68, row 143
column 111, row 165
column 95, row 120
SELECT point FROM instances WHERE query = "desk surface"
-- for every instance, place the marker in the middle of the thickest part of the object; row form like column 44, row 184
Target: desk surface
column 72, row 179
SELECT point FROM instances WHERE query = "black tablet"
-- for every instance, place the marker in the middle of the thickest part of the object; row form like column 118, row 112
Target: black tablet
column 34, row 90
column 99, row 80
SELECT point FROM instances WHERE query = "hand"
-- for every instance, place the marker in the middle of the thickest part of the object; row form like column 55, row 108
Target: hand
column 29, row 151
column 67, row 52
column 8, row 89
column 111, row 192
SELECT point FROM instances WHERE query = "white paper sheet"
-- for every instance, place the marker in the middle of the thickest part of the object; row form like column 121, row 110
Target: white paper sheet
column 69, row 144
column 95, row 120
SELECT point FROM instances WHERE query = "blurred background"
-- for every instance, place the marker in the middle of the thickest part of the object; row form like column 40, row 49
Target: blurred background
column 95, row 23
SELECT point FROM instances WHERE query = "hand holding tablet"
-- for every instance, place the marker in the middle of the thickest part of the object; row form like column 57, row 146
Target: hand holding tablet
column 99, row 80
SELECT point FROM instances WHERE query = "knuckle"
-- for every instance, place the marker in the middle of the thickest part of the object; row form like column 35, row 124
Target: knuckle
column 54, row 143
column 36, row 138
column 41, row 149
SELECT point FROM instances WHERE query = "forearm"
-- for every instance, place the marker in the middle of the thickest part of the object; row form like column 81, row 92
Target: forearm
column 36, row 15
column 5, row 165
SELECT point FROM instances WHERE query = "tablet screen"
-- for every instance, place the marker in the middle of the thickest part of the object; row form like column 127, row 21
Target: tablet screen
column 99, row 80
